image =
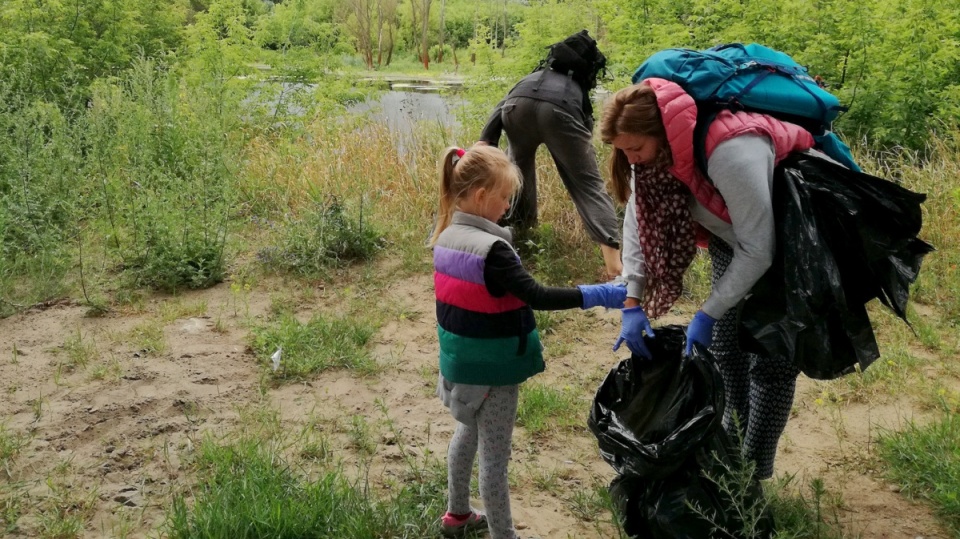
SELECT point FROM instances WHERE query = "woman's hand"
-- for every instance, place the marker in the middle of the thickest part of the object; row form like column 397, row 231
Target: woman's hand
column 634, row 323
column 700, row 331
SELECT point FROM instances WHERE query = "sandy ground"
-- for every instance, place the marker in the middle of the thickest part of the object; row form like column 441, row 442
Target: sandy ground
column 117, row 440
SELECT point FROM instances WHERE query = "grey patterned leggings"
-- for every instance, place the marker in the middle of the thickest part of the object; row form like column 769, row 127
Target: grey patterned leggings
column 760, row 390
column 494, row 435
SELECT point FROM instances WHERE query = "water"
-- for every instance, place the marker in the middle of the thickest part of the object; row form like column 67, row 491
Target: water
column 407, row 101
column 410, row 102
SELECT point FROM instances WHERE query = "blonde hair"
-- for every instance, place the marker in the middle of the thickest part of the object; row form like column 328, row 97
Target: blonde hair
column 632, row 110
column 481, row 167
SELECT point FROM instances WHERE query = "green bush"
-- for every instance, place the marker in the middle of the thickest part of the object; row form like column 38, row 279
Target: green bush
column 324, row 237
column 160, row 156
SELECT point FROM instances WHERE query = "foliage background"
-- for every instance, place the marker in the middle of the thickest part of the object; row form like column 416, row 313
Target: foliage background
column 140, row 139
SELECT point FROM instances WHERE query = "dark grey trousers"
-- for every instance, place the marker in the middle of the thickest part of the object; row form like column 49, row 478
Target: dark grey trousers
column 759, row 389
column 529, row 123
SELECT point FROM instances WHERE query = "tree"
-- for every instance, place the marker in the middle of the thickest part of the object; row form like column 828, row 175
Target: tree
column 420, row 12
column 359, row 23
column 443, row 5
column 386, row 20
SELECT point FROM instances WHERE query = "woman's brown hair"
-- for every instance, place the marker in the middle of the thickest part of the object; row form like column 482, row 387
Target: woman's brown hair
column 480, row 167
column 632, row 110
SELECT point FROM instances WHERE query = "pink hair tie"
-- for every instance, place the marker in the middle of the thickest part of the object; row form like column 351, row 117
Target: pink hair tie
column 460, row 152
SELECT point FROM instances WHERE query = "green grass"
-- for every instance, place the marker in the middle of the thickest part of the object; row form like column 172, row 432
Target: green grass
column 68, row 506
column 79, row 351
column 814, row 514
column 544, row 409
column 548, row 321
column 12, row 501
column 925, row 460
column 324, row 342
column 176, row 309
column 249, row 490
column 148, row 338
column 11, row 444
column 545, row 251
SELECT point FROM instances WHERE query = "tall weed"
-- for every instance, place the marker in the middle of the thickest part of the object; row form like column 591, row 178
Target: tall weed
column 162, row 154
column 39, row 199
column 324, row 236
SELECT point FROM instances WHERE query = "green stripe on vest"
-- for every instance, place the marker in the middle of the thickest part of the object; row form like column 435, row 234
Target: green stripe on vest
column 489, row 362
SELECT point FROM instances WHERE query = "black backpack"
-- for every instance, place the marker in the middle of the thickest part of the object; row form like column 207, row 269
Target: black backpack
column 578, row 57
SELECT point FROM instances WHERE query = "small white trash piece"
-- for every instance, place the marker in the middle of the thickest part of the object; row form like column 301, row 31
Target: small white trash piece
column 275, row 358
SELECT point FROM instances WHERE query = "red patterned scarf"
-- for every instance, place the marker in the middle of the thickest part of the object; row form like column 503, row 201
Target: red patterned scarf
column 667, row 236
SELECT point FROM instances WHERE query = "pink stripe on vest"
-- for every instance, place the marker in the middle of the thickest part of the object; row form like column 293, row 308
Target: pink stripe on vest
column 472, row 296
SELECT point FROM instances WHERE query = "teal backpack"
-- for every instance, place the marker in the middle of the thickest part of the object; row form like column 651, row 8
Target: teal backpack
column 752, row 78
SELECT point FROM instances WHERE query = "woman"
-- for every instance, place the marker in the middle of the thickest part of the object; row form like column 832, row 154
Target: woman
column 552, row 106
column 670, row 204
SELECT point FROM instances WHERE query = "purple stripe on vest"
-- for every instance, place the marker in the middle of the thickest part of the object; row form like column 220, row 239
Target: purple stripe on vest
column 458, row 264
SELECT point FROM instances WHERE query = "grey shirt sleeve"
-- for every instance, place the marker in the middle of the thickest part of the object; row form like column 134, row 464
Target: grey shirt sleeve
column 631, row 254
column 742, row 170
column 494, row 126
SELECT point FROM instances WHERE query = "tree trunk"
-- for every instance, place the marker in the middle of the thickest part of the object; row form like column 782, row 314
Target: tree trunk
column 362, row 31
column 443, row 4
column 379, row 33
column 390, row 47
column 415, row 23
column 503, row 47
column 425, row 41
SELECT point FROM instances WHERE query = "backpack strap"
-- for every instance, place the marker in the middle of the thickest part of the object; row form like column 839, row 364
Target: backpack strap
column 706, row 114
column 546, row 67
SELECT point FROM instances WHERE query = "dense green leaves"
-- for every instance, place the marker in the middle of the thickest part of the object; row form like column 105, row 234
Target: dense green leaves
column 115, row 113
column 894, row 64
column 53, row 50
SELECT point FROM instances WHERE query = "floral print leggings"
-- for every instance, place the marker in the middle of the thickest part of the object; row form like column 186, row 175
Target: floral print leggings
column 493, row 434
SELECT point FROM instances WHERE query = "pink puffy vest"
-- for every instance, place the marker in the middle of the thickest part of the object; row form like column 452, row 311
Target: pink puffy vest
column 679, row 114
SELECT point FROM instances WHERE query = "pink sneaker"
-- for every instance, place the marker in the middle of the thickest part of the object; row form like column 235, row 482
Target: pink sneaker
column 452, row 526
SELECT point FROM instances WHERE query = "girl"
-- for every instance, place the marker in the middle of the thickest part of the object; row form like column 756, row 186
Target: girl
column 488, row 338
column 651, row 126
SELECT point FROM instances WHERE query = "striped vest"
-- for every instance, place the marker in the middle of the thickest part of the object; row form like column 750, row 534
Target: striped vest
column 484, row 340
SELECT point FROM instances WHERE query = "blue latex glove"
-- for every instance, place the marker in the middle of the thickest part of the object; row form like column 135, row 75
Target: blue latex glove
column 606, row 295
column 634, row 322
column 700, row 330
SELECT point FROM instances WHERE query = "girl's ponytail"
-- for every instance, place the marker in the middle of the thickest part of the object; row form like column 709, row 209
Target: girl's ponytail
column 448, row 198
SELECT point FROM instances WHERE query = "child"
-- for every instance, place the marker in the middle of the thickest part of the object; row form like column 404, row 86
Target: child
column 488, row 338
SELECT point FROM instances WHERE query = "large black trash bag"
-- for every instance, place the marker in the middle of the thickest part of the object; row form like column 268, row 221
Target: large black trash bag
column 844, row 238
column 657, row 423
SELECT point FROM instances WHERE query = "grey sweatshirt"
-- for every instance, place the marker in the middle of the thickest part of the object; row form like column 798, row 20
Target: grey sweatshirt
column 742, row 171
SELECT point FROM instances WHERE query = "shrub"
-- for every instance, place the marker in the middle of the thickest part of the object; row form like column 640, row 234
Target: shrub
column 324, row 237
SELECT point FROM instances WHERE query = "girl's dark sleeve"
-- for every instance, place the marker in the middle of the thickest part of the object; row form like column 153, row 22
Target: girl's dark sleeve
column 505, row 274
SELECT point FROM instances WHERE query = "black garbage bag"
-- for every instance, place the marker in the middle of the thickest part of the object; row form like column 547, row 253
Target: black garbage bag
column 657, row 423
column 844, row 238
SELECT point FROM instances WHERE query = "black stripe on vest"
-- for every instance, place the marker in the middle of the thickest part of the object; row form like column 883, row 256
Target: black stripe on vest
column 483, row 325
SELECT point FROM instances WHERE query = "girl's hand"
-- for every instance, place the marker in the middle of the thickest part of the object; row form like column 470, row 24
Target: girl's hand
column 607, row 295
